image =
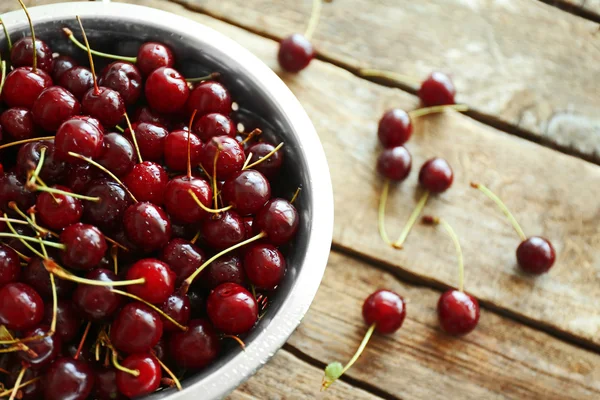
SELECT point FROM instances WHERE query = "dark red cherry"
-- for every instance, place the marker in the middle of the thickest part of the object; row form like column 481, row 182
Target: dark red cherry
column 150, row 139
column 223, row 230
column 209, row 97
column 247, row 191
column 21, row 307
column 81, row 135
column 437, row 90
column 213, row 124
column 295, row 53
column 53, row 107
column 97, row 302
column 395, row 128
column 536, row 255
column 386, row 310
column 21, row 54
column 458, row 312
column 153, row 55
column 146, row 382
column 180, row 204
column 68, row 379
column 176, row 150
column 12, row 189
column 18, row 123
column 166, row 90
column 119, row 154
column 46, row 349
column 78, row 80
column 104, row 104
column 79, row 177
column 106, row 214
column 436, row 175
column 264, row 266
column 178, row 307
column 279, row 219
column 10, row 266
column 183, row 257
column 28, row 158
column 106, row 384
column 57, row 211
column 198, row 302
column 32, row 391
column 22, row 86
column 23, row 230
column 136, row 329
column 232, row 309
column 223, row 270
column 85, row 246
column 145, row 114
column 394, row 163
column 230, row 159
column 147, row 226
column 123, row 77
column 62, row 64
column 271, row 166
column 197, row 347
column 248, row 226
column 147, row 181
column 159, row 280
column 68, row 320
column 36, row 276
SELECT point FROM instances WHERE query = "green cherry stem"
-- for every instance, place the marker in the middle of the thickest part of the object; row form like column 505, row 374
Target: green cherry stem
column 34, row 63
column 398, row 244
column 15, row 390
column 381, row 213
column 260, row 160
column 77, row 43
column 3, row 66
column 208, row 210
column 314, row 19
column 115, row 361
column 459, row 254
column 7, row 35
column 53, row 268
column 19, row 142
column 208, row 77
column 437, row 109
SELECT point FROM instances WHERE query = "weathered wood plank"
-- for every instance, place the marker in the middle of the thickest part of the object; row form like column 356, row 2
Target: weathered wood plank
column 521, row 61
column 500, row 359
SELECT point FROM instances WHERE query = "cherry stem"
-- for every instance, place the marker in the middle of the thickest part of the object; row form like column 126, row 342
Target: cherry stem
column 58, row 191
column 376, row 73
column 208, row 210
column 55, row 269
column 54, row 305
column 115, row 243
column 332, row 376
column 77, row 43
column 21, row 255
column 20, row 346
column 39, row 165
column 89, row 52
column 2, row 370
column 185, row 286
column 251, row 135
column 158, row 310
column 21, row 386
column 437, row 109
column 237, row 339
column 117, row 127
column 214, row 180
column 135, row 143
column 14, row 221
column 95, row 164
column 82, row 341
column 398, row 244
column 6, row 34
column 208, row 77
column 296, row 194
column 461, row 267
column 381, row 213
column 115, row 361
column 502, row 207
column 16, row 234
column 269, row 154
column 30, row 221
column 15, row 390
column 248, row 159
column 314, row 19
column 168, row 371
column 34, row 63
column 3, row 67
column 114, row 252
column 189, row 146
column 196, row 237
column 30, row 239
column 19, row 142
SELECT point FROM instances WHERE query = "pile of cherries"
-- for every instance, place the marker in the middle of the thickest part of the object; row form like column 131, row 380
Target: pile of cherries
column 126, row 250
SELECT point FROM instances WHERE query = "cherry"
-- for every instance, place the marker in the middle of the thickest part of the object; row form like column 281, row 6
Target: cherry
column 28, row 157
column 46, row 349
column 279, row 219
column 179, row 203
column 213, row 124
column 145, row 114
column 248, row 226
column 18, row 123
column 118, row 156
column 10, row 266
column 77, row 80
column 104, row 104
column 197, row 301
column 147, row 226
column 12, row 189
column 150, row 139
column 23, row 85
column 394, row 163
column 437, row 90
column 264, row 265
column 166, row 90
column 178, row 307
column 183, row 257
column 68, row 320
column 81, row 135
column 271, row 166
column 458, row 312
column 384, row 309
column 224, row 269
column 395, row 128
column 79, row 177
column 106, row 384
column 97, row 303
column 154, row 55
column 223, row 230
column 247, row 191
column 68, row 379
column 295, row 53
column 535, row 255
column 176, row 150
column 57, row 211
column 230, row 158
column 33, row 390
column 146, row 382
column 436, row 175
column 136, row 329
column 123, row 77
column 106, row 214
column 232, row 309
column 21, row 54
column 21, row 307
column 54, row 106
column 147, row 181
column 209, row 97
column 159, row 280
column 85, row 246
column 62, row 64
column 36, row 276
column 197, row 347
column 16, row 244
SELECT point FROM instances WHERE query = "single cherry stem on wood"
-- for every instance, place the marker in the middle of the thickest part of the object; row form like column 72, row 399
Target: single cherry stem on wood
column 7, row 35
column 25, row 141
column 34, row 63
column 461, row 267
column 314, row 19
column 135, row 143
column 381, row 213
column 82, row 341
column 89, row 52
column 398, row 244
column 269, row 154
column 405, row 79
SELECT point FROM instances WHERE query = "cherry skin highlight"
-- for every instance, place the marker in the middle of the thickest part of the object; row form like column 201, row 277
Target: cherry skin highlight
column 395, row 163
column 136, row 329
column 458, row 312
column 536, row 255
column 436, row 175
column 21, row 307
column 160, row 280
column 395, row 128
column 386, row 310
column 232, row 309
column 197, row 347
column 295, row 53
column 437, row 90
column 178, row 307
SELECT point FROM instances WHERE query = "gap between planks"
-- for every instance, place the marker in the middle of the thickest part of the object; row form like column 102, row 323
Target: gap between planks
column 578, row 10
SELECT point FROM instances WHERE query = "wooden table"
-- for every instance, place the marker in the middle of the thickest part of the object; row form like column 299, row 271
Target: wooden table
column 530, row 72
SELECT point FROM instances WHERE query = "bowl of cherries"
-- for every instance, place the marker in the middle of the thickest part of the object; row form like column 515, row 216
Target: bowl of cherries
column 166, row 210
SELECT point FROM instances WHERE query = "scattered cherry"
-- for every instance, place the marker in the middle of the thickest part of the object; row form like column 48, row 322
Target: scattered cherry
column 536, row 255
column 395, row 128
column 295, row 53
column 436, row 175
column 458, row 312
column 386, row 310
column 437, row 90
column 394, row 163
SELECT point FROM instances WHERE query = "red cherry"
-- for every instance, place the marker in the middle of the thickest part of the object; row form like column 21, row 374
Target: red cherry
column 394, row 163
column 21, row 54
column 106, row 214
column 118, row 156
column 232, row 309
column 57, row 211
column 123, row 77
column 147, row 226
column 197, row 347
column 62, row 64
column 104, row 104
column 98, row 303
column 150, row 139
column 22, row 86
column 209, row 97
column 230, row 159
column 53, row 107
column 79, row 177
column 295, row 53
column 213, row 124
column 183, row 257
column 265, row 266
column 28, row 157
column 12, row 189
column 146, row 382
column 106, row 384
column 436, row 175
column 395, row 128
column 386, row 310
column 145, row 114
column 180, row 205
column 166, row 90
column 437, row 90
column 10, row 266
column 248, row 226
column 68, row 319
column 279, row 219
column 77, row 80
column 136, row 329
column 81, row 135
column 153, row 55
column 147, row 181
column 46, row 349
column 18, row 123
column 68, row 379
column 247, row 191
column 160, row 280
column 177, row 306
column 85, row 246
column 223, row 230
column 36, row 276
column 21, row 307
column 176, row 150
column 227, row 268
column 458, row 312
column 536, row 255
column 271, row 166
